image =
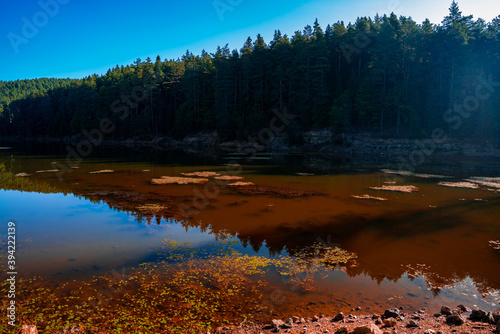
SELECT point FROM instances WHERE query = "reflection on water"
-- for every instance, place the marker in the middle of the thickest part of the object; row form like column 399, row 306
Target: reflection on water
column 414, row 249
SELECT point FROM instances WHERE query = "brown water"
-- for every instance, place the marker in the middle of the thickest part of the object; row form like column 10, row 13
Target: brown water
column 418, row 249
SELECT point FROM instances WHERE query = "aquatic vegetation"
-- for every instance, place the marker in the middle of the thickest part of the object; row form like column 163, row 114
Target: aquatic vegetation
column 190, row 289
column 468, row 185
column 201, row 174
column 229, row 178
column 403, row 189
column 491, row 182
column 47, row 171
column 102, row 171
column 9, row 181
column 151, row 208
column 366, row 196
column 178, row 180
column 241, row 184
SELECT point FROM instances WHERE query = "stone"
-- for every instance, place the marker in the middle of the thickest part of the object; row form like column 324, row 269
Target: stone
column 342, row 330
column 446, row 310
column 488, row 318
column 437, row 315
column 455, row 319
column 429, row 331
column 315, row 318
column 367, row 329
column 477, row 315
column 340, row 316
column 27, row 329
column 358, row 308
column 390, row 322
column 496, row 316
column 378, row 321
column 302, row 320
column 375, row 316
column 296, row 319
column 277, row 323
column 412, row 323
column 391, row 313
column 463, row 308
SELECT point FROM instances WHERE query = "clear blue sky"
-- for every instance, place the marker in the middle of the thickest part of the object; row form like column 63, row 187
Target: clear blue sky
column 85, row 37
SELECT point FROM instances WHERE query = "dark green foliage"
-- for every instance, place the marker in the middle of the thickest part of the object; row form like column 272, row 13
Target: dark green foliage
column 387, row 75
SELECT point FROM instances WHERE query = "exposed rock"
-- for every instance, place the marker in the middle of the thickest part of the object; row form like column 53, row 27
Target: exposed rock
column 391, row 313
column 339, row 316
column 455, row 319
column 412, row 323
column 27, row 329
column 367, row 329
column 446, row 310
column 277, row 323
column 390, row 322
column 342, row 329
column 477, row 315
column 429, row 331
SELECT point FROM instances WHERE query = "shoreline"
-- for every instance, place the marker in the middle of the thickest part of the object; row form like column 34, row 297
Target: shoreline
column 356, row 145
column 393, row 321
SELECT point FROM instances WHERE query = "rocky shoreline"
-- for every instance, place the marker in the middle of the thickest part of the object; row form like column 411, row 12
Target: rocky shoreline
column 325, row 141
column 394, row 321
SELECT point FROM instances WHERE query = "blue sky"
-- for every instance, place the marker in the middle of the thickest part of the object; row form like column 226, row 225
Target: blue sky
column 79, row 37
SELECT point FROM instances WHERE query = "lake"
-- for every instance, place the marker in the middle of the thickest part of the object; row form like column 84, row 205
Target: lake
column 420, row 239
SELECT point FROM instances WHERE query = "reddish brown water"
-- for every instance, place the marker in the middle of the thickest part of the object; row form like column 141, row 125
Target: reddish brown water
column 419, row 249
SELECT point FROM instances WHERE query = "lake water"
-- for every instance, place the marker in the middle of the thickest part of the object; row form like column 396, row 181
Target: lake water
column 414, row 249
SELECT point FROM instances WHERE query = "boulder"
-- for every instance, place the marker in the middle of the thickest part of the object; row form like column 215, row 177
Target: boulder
column 446, row 310
column 367, row 329
column 390, row 322
column 391, row 313
column 277, row 323
column 477, row 315
column 412, row 323
column 455, row 319
column 340, row 316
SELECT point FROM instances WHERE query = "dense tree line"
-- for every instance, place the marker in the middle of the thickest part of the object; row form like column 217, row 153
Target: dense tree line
column 387, row 75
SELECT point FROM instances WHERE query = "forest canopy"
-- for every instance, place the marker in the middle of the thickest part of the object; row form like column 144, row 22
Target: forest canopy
column 386, row 75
